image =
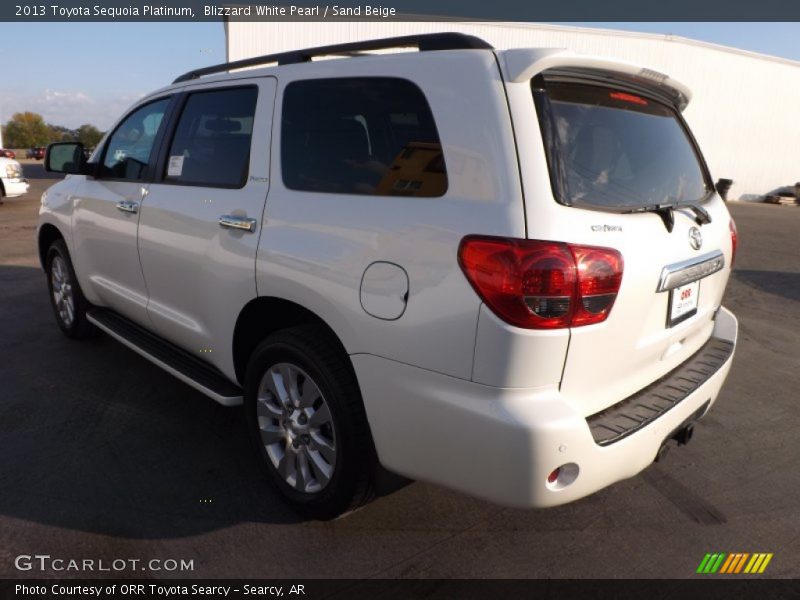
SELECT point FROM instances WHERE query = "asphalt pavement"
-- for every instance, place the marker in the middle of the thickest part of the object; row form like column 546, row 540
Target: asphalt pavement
column 105, row 456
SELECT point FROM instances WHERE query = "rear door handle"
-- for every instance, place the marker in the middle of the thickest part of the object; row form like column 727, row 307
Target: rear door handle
column 128, row 206
column 234, row 222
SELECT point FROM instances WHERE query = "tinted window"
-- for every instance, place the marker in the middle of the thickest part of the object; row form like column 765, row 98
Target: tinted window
column 360, row 136
column 211, row 145
column 130, row 146
column 618, row 149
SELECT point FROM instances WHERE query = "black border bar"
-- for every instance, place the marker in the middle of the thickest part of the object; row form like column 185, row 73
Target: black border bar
column 464, row 10
column 708, row 587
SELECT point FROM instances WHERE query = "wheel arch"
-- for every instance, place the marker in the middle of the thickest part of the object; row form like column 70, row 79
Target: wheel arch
column 265, row 315
column 48, row 233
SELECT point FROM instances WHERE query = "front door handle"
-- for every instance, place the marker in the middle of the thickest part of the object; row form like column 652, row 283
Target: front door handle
column 234, row 222
column 128, row 206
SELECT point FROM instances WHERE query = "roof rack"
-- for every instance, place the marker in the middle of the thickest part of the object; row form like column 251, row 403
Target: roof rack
column 424, row 42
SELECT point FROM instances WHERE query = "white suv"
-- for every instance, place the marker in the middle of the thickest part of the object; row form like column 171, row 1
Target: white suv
column 500, row 271
column 12, row 179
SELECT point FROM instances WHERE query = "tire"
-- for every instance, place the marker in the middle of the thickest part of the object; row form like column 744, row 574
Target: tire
column 66, row 298
column 320, row 461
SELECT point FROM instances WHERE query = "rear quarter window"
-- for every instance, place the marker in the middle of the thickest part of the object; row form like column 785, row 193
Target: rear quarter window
column 364, row 135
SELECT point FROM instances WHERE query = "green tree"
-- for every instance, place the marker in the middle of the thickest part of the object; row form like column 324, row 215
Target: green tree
column 88, row 135
column 26, row 130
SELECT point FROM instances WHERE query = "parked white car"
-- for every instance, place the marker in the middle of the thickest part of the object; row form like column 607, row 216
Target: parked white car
column 12, row 179
column 500, row 271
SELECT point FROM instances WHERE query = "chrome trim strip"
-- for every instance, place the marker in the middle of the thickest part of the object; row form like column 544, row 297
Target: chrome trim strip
column 687, row 271
column 224, row 400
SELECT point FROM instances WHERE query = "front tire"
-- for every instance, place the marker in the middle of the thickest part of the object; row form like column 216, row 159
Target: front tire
column 69, row 304
column 306, row 419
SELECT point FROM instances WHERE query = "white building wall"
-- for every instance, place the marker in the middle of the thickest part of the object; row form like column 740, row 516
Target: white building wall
column 745, row 111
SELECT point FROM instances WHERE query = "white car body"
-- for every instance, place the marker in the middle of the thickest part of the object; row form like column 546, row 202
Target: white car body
column 12, row 178
column 453, row 394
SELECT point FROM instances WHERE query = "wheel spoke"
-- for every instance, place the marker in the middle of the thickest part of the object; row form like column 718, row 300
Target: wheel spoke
column 322, row 468
column 268, row 399
column 70, row 310
column 287, row 465
column 58, row 274
column 270, row 433
column 303, row 472
column 265, row 408
column 310, row 394
column 290, row 382
column 324, row 446
column 320, row 416
column 279, row 385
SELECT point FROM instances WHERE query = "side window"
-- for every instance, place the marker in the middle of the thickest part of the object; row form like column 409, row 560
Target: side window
column 211, row 146
column 129, row 147
column 364, row 135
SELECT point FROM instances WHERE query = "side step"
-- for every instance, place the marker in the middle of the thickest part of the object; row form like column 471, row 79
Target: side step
column 189, row 369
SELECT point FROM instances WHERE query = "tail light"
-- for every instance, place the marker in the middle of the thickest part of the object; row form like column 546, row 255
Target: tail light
column 542, row 285
column 734, row 240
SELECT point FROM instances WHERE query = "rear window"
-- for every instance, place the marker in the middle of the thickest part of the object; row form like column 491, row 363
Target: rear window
column 613, row 149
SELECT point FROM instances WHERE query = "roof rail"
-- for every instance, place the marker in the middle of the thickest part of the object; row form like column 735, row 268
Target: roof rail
column 424, row 42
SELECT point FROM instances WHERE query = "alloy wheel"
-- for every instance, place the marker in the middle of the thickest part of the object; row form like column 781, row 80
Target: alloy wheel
column 296, row 427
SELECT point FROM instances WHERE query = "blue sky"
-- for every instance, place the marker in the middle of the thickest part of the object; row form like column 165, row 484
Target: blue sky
column 74, row 73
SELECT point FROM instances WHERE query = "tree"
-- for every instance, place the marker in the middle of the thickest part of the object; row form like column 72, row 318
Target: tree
column 26, row 130
column 60, row 134
column 88, row 135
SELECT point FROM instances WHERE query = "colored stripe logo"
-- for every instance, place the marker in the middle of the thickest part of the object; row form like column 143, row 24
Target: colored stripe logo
column 734, row 563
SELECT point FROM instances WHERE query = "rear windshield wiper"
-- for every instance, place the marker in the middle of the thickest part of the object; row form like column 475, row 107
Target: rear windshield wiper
column 662, row 210
column 665, row 211
column 701, row 216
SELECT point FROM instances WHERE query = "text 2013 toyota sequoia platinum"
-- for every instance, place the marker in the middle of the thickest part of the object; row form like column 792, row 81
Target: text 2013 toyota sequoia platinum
column 500, row 271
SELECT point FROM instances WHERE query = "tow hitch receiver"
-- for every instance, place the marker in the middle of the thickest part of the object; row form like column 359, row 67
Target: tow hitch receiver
column 682, row 436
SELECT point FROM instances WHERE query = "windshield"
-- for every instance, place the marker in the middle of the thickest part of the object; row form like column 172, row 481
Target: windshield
column 613, row 149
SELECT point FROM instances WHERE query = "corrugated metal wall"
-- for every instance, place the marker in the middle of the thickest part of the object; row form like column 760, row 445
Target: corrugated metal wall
column 745, row 111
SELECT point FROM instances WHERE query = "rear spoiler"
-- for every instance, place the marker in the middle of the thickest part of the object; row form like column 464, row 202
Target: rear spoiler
column 523, row 64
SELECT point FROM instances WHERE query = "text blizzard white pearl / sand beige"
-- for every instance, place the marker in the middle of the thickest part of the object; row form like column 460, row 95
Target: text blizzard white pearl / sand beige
column 292, row 11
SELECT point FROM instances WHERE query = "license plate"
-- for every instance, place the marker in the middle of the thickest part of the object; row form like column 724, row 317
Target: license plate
column 683, row 303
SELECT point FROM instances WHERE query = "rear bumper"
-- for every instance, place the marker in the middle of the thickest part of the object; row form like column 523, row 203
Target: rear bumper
column 15, row 187
column 501, row 444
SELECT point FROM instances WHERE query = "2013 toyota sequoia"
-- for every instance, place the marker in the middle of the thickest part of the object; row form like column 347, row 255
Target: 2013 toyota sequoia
column 500, row 271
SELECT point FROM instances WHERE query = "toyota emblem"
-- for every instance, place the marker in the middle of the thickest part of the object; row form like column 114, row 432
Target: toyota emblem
column 695, row 238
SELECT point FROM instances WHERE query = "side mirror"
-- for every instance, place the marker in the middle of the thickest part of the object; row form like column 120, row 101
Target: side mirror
column 66, row 157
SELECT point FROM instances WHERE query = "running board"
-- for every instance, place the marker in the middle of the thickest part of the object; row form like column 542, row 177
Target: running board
column 189, row 369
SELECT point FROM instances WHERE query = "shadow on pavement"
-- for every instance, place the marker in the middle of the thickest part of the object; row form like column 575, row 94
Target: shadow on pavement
column 95, row 438
column 780, row 283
